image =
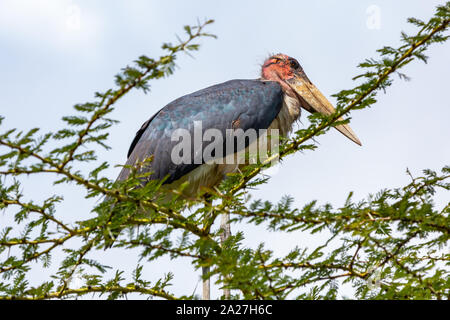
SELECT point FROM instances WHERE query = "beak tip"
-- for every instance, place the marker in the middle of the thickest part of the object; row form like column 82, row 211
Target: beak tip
column 348, row 132
column 355, row 139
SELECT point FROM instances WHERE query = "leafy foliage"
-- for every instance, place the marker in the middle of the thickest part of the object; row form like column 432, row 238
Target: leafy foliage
column 388, row 246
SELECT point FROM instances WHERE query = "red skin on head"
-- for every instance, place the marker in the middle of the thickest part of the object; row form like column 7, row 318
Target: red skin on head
column 277, row 68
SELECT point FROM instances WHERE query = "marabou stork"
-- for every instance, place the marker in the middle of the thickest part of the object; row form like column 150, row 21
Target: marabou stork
column 272, row 102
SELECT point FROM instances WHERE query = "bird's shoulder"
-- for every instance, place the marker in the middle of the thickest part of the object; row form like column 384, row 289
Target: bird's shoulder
column 213, row 106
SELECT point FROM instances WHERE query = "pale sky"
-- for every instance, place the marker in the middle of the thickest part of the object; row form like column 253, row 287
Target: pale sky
column 54, row 54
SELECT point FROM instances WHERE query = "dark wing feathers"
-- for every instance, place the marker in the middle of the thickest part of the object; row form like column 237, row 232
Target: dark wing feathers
column 253, row 103
column 139, row 134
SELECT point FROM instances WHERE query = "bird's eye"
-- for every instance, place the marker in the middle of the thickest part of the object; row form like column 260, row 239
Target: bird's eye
column 294, row 64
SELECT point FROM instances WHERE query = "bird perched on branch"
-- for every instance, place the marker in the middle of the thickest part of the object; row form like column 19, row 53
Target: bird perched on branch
column 272, row 102
column 233, row 116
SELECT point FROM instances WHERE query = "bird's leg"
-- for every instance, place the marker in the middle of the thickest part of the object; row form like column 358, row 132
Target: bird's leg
column 206, row 285
column 205, row 270
column 225, row 226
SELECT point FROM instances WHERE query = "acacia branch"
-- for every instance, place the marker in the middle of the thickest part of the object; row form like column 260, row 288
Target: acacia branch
column 95, row 289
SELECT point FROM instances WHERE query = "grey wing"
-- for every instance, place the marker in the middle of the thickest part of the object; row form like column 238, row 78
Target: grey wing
column 252, row 104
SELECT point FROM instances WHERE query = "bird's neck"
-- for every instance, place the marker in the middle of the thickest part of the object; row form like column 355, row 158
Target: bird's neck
column 289, row 113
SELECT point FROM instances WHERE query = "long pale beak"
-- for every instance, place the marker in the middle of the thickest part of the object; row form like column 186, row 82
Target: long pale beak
column 314, row 101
